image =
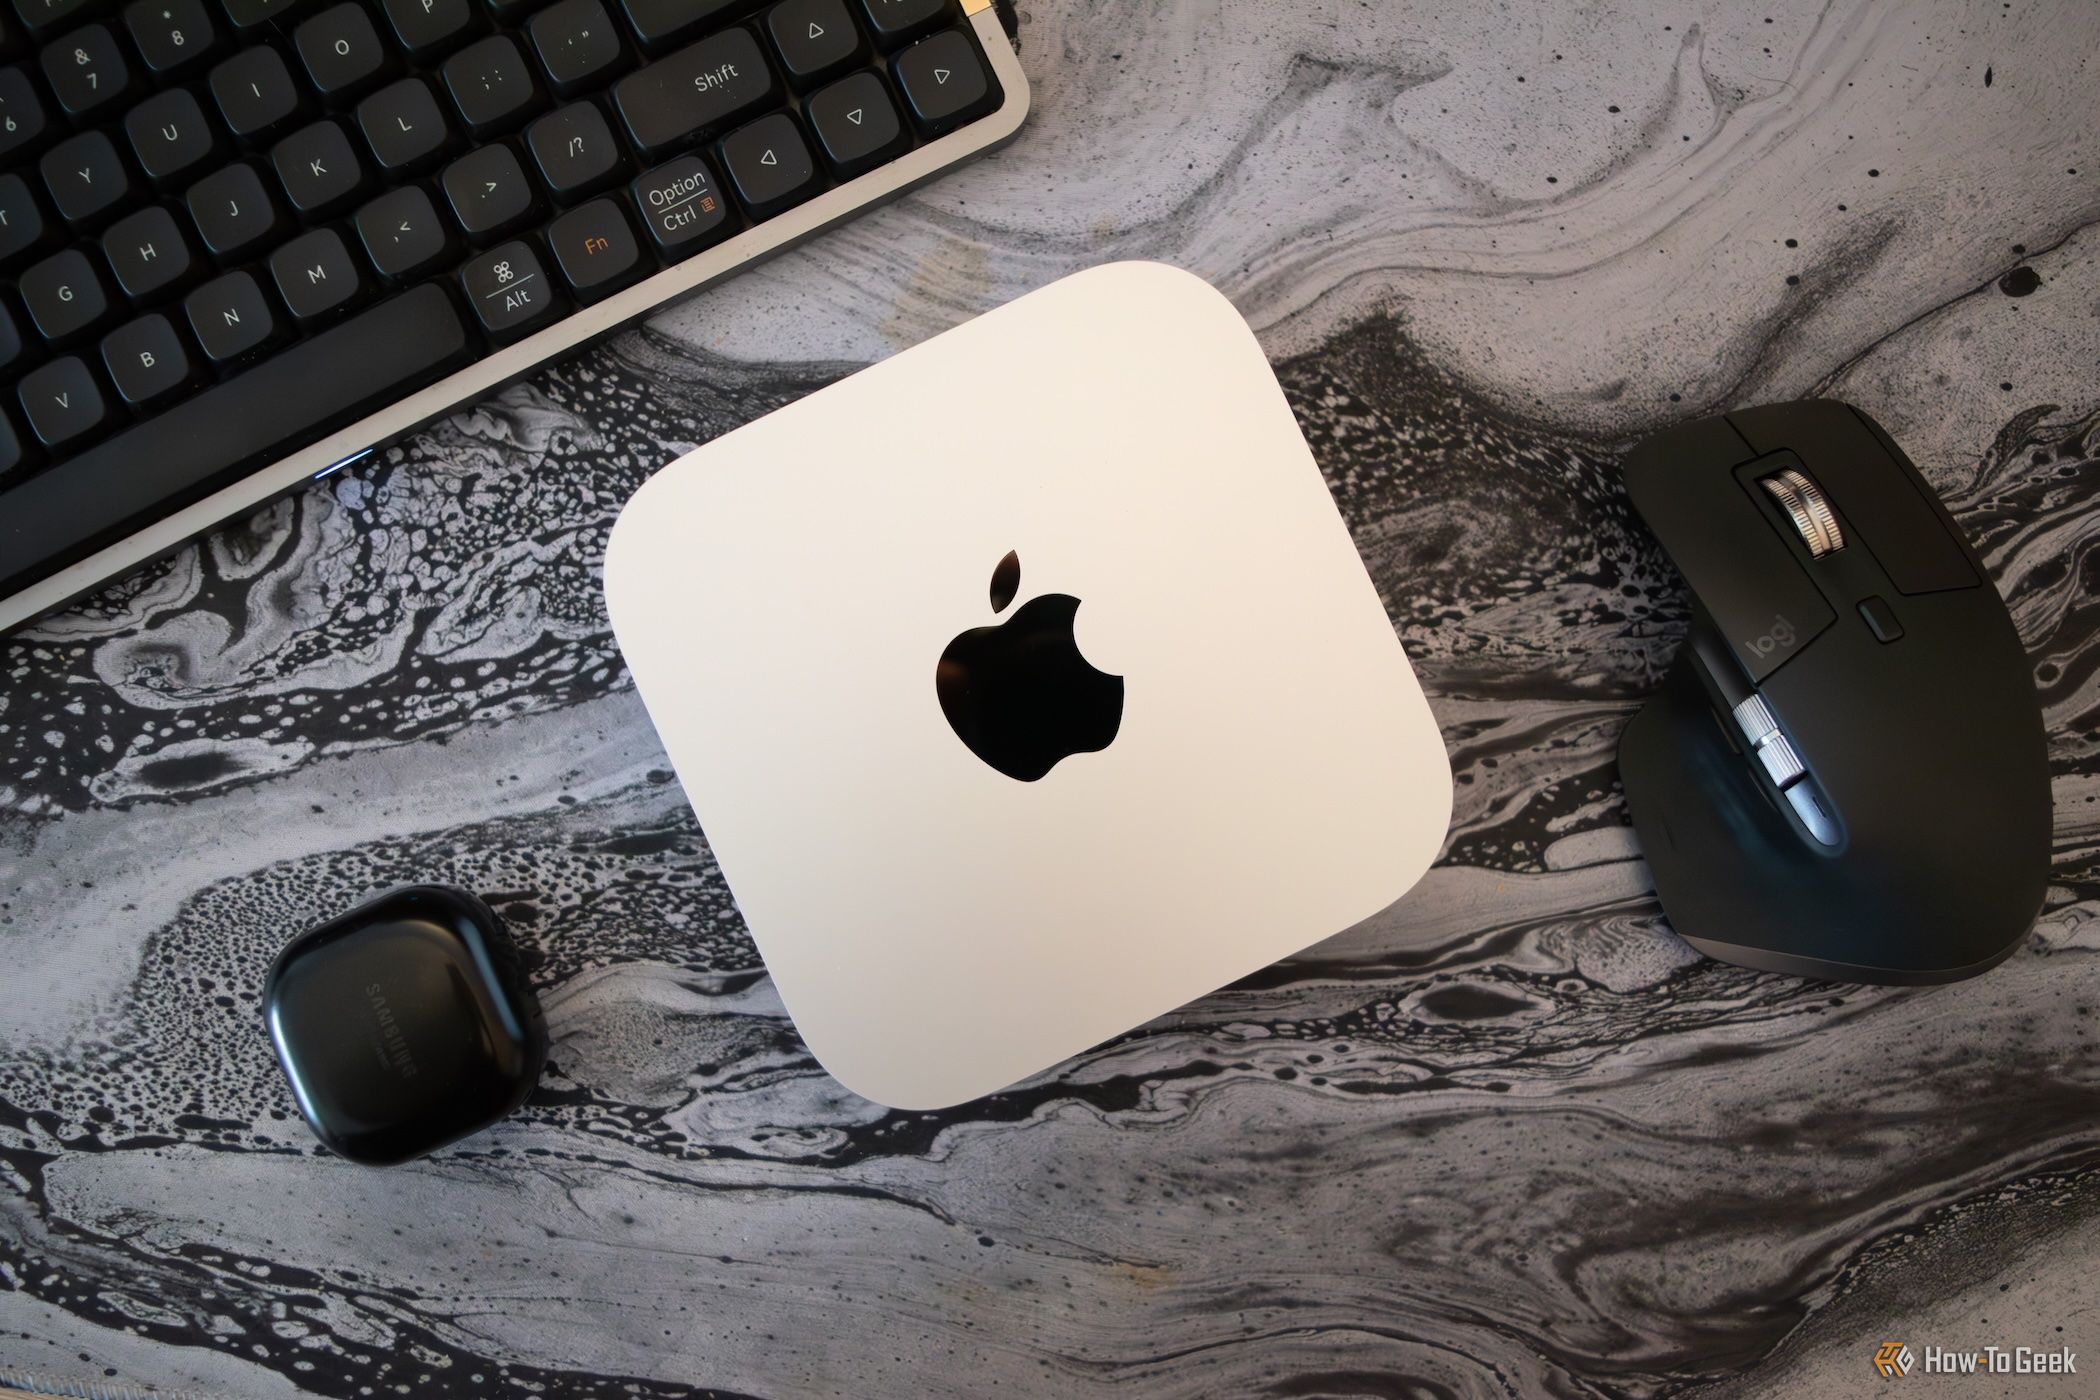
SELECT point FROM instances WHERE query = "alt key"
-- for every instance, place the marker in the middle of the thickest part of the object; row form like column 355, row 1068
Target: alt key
column 681, row 206
column 508, row 290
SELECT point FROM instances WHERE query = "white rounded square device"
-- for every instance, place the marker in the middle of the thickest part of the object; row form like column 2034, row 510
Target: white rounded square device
column 1027, row 685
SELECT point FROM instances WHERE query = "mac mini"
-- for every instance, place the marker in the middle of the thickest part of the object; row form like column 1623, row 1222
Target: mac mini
column 1027, row 685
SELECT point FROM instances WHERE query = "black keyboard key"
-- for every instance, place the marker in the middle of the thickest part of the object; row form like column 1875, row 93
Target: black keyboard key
column 149, row 253
column 815, row 39
column 11, row 343
column 945, row 83
column 508, row 290
column 40, row 17
column 341, row 50
column 427, row 28
column 661, row 23
column 577, row 43
column 682, row 207
column 489, row 192
column 64, row 295
column 86, row 177
column 87, row 71
column 709, row 84
column 404, row 126
column 856, row 124
column 895, row 21
column 170, row 136
column 769, row 165
column 319, row 169
column 12, row 456
column 147, row 361
column 255, row 93
column 172, row 36
column 594, row 247
column 54, row 518
column 22, row 223
column 22, row 118
column 576, row 151
column 253, row 14
column 63, row 402
column 233, row 211
column 491, row 84
column 403, row 234
column 316, row 275
column 230, row 317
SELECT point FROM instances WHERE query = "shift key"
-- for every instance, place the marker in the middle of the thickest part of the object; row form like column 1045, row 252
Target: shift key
column 707, row 84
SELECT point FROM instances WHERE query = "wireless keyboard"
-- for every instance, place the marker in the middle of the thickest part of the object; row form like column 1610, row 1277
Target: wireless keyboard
column 245, row 242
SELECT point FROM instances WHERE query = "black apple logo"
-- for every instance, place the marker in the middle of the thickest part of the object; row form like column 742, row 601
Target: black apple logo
column 1019, row 693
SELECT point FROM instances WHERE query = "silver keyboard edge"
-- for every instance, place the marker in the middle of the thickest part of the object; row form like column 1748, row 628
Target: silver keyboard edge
column 512, row 362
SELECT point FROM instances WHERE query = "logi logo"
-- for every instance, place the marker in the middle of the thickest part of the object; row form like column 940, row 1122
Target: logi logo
column 1894, row 1359
column 1780, row 638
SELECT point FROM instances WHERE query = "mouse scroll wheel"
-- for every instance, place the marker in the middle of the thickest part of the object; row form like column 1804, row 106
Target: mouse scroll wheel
column 1810, row 510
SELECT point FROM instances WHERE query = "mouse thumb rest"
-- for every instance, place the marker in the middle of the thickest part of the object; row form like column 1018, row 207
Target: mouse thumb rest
column 1844, row 774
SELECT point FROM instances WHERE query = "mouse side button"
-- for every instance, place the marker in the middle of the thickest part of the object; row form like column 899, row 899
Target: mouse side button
column 1887, row 503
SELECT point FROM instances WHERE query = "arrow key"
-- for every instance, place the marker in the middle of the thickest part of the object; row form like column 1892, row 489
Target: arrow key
column 403, row 234
column 945, row 82
column 856, row 124
column 816, row 39
column 769, row 165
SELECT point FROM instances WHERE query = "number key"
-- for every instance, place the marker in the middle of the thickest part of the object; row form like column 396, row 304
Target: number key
column 40, row 17
column 508, row 290
column 171, row 35
column 86, row 70
column 22, row 119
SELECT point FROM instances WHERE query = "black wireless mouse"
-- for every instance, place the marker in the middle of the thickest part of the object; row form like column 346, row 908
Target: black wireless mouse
column 1844, row 775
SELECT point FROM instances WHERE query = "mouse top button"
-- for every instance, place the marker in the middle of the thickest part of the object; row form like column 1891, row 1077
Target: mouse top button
column 1888, row 505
